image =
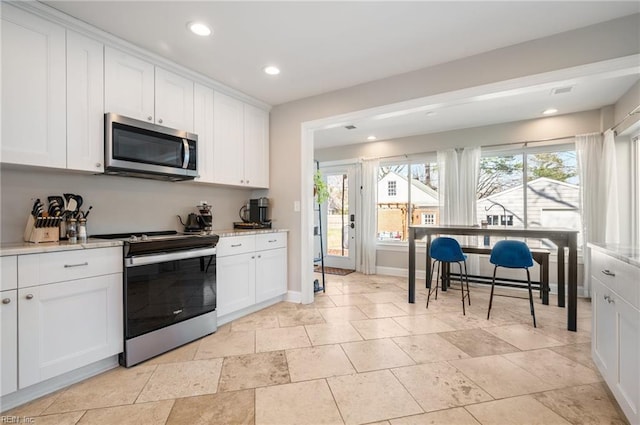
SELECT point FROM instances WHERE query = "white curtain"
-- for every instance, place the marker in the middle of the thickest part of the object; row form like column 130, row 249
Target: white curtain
column 598, row 191
column 368, row 231
column 457, row 185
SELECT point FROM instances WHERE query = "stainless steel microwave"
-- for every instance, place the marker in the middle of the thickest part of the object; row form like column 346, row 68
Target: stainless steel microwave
column 141, row 149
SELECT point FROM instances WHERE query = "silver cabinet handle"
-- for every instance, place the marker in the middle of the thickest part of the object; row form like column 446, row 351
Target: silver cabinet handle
column 68, row 266
column 247, row 181
column 6, row 300
column 608, row 273
column 273, row 240
column 236, row 245
column 259, row 256
column 160, row 120
column 98, row 165
column 609, row 299
column 29, row 296
column 241, row 181
column 150, row 118
column 253, row 257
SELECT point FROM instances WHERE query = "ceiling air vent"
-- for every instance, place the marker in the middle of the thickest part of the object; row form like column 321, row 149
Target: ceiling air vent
column 350, row 127
column 562, row 90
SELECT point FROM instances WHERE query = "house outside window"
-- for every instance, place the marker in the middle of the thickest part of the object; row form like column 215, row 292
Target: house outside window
column 428, row 218
column 391, row 188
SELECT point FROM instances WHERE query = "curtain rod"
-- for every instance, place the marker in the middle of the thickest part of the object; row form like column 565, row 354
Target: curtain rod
column 525, row 142
column 635, row 111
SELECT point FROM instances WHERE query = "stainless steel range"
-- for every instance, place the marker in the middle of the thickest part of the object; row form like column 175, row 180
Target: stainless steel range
column 169, row 291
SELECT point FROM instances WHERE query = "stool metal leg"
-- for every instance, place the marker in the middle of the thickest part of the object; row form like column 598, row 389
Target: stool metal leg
column 464, row 313
column 430, row 285
column 533, row 313
column 493, row 283
column 466, row 275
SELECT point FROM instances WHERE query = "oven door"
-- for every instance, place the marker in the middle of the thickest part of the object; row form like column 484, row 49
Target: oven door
column 164, row 289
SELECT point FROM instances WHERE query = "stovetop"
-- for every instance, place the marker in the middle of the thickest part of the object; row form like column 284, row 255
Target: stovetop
column 144, row 243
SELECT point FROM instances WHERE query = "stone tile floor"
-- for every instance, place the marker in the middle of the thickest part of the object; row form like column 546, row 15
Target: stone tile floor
column 360, row 354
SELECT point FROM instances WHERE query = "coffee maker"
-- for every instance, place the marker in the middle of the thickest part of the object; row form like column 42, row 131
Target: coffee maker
column 254, row 215
column 206, row 216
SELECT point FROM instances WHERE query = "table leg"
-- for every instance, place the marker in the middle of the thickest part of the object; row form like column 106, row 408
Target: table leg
column 572, row 312
column 561, row 280
column 428, row 264
column 544, row 279
column 412, row 266
column 445, row 276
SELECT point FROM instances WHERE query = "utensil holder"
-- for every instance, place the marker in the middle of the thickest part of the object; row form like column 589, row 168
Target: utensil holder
column 35, row 234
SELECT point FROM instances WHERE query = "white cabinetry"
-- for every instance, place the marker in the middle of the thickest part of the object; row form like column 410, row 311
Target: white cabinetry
column 33, row 90
column 250, row 270
column 241, row 143
column 203, row 127
column 63, row 312
column 85, row 103
column 616, row 328
column 137, row 89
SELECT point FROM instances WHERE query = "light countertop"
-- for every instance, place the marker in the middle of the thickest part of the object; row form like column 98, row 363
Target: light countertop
column 21, row 248
column 627, row 253
column 244, row 232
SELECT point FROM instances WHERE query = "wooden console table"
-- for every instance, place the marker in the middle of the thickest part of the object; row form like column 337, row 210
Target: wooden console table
column 563, row 238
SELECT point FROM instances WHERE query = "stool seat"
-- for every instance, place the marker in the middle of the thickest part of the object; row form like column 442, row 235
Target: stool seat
column 447, row 250
column 512, row 255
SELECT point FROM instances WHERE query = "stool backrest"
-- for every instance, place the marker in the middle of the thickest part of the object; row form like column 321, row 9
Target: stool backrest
column 446, row 249
column 511, row 254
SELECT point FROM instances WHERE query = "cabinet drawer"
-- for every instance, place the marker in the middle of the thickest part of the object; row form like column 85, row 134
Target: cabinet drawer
column 9, row 275
column 622, row 278
column 233, row 245
column 271, row 241
column 38, row 269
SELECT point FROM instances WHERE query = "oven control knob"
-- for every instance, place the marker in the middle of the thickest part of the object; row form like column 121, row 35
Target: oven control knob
column 144, row 237
column 133, row 238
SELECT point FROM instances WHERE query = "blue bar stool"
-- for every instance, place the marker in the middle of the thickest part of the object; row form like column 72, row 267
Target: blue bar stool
column 447, row 250
column 512, row 255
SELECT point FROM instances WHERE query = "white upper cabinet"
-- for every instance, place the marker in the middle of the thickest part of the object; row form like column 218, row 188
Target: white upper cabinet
column 137, row 89
column 128, row 85
column 33, row 90
column 228, row 140
column 174, row 100
column 241, row 143
column 85, row 107
column 256, row 146
column 203, row 127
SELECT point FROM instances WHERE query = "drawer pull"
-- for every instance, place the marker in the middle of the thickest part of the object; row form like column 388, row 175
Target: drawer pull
column 609, row 299
column 29, row 296
column 236, row 245
column 68, row 266
column 608, row 273
column 273, row 240
column 6, row 300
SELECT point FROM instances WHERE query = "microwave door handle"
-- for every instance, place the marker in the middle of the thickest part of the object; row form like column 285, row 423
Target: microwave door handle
column 185, row 157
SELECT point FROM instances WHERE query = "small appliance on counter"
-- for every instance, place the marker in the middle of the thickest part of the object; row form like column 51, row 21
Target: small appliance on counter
column 201, row 222
column 254, row 215
column 50, row 224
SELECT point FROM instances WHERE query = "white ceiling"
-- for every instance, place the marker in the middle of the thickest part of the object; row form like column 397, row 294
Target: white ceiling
column 328, row 45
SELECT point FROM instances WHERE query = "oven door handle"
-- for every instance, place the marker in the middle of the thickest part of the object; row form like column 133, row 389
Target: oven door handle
column 166, row 257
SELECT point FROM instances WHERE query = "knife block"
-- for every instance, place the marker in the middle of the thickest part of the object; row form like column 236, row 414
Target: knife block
column 40, row 234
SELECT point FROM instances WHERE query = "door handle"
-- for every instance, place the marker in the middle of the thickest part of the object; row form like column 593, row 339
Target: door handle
column 352, row 225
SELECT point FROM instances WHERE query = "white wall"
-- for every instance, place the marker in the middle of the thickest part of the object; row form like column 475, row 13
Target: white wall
column 120, row 204
column 613, row 39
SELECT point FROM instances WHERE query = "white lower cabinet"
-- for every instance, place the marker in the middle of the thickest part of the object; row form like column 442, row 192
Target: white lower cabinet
column 616, row 329
column 66, row 325
column 9, row 347
column 250, row 269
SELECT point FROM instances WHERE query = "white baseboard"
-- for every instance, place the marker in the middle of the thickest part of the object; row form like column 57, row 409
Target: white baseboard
column 397, row 271
column 9, row 401
column 294, row 297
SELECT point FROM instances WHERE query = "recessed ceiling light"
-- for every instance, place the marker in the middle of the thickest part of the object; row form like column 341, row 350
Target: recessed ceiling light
column 549, row 111
column 371, row 138
column 199, row 28
column 271, row 70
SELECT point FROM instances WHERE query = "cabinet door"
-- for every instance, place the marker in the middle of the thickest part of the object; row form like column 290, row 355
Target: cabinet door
column 174, row 101
column 271, row 274
column 228, row 140
column 9, row 343
column 628, row 372
column 33, row 90
column 85, row 107
column 235, row 282
column 67, row 325
column 256, row 146
column 604, row 330
column 203, row 127
column 128, row 85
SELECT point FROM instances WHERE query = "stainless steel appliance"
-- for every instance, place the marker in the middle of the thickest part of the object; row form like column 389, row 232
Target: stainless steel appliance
column 254, row 215
column 142, row 149
column 169, row 291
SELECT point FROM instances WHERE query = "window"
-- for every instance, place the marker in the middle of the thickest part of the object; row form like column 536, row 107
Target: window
column 391, row 188
column 407, row 195
column 428, row 218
